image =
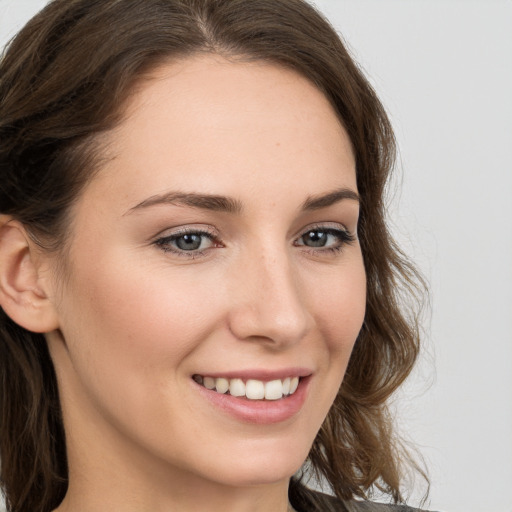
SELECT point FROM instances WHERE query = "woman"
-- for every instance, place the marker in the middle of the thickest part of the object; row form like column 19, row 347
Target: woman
column 199, row 292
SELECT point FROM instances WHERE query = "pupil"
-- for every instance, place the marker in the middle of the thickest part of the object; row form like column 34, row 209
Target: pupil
column 316, row 239
column 189, row 242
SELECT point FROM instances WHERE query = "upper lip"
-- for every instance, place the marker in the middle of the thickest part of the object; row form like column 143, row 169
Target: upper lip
column 259, row 374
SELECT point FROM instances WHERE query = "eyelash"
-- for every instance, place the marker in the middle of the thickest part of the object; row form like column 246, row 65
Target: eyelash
column 343, row 236
column 165, row 243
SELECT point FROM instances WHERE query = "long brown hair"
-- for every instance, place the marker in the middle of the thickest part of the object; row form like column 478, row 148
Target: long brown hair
column 63, row 80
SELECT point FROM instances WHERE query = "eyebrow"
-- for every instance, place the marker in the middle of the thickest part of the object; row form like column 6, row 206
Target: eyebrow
column 325, row 200
column 203, row 201
column 231, row 205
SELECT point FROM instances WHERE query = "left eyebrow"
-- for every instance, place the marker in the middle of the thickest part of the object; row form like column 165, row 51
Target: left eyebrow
column 325, row 200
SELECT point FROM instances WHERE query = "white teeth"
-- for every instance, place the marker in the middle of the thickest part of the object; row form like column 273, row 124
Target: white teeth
column 252, row 389
column 286, row 386
column 274, row 390
column 236, row 387
column 255, row 389
column 221, row 385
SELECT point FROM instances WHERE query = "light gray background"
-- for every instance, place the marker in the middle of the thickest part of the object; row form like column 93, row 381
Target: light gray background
column 443, row 68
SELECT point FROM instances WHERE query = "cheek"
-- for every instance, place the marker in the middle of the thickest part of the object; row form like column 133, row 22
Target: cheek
column 131, row 327
column 130, row 332
column 340, row 306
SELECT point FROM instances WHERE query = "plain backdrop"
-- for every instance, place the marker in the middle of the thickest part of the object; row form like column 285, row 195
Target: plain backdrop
column 443, row 69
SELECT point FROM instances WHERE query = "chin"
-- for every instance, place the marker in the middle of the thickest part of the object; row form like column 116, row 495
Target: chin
column 249, row 474
column 261, row 465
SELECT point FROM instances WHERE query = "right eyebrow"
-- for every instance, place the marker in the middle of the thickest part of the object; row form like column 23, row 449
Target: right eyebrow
column 203, row 201
column 326, row 200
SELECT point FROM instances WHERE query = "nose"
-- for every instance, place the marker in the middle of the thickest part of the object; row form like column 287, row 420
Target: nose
column 270, row 303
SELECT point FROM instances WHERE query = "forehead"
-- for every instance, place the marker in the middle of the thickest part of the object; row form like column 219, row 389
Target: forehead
column 212, row 123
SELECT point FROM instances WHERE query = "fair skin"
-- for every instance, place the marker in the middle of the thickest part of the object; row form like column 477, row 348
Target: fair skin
column 167, row 289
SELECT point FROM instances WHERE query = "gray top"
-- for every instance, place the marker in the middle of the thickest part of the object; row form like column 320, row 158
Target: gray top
column 367, row 506
column 327, row 503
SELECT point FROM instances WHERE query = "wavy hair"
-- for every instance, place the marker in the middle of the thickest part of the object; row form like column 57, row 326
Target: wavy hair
column 64, row 79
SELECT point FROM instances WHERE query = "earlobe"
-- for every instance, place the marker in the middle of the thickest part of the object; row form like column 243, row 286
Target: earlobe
column 23, row 296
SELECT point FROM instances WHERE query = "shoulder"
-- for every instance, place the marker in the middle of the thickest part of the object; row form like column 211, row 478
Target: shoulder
column 331, row 503
column 367, row 506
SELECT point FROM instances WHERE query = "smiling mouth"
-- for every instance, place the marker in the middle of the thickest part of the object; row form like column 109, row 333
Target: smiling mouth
column 251, row 389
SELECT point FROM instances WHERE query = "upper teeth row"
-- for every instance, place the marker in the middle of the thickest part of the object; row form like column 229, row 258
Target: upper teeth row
column 252, row 388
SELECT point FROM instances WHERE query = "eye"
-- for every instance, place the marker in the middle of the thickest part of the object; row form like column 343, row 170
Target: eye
column 191, row 242
column 326, row 238
column 317, row 238
column 187, row 242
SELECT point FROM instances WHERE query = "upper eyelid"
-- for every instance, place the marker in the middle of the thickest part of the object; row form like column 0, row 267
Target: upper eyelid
column 185, row 230
column 325, row 225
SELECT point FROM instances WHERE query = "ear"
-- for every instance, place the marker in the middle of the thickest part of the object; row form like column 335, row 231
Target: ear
column 24, row 283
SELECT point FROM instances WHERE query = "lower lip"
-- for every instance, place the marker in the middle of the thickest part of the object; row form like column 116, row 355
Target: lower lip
column 261, row 412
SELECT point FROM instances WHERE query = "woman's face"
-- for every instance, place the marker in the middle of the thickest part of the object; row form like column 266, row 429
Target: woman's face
column 216, row 246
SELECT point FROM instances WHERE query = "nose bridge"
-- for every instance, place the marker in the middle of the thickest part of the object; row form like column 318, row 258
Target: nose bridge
column 271, row 304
